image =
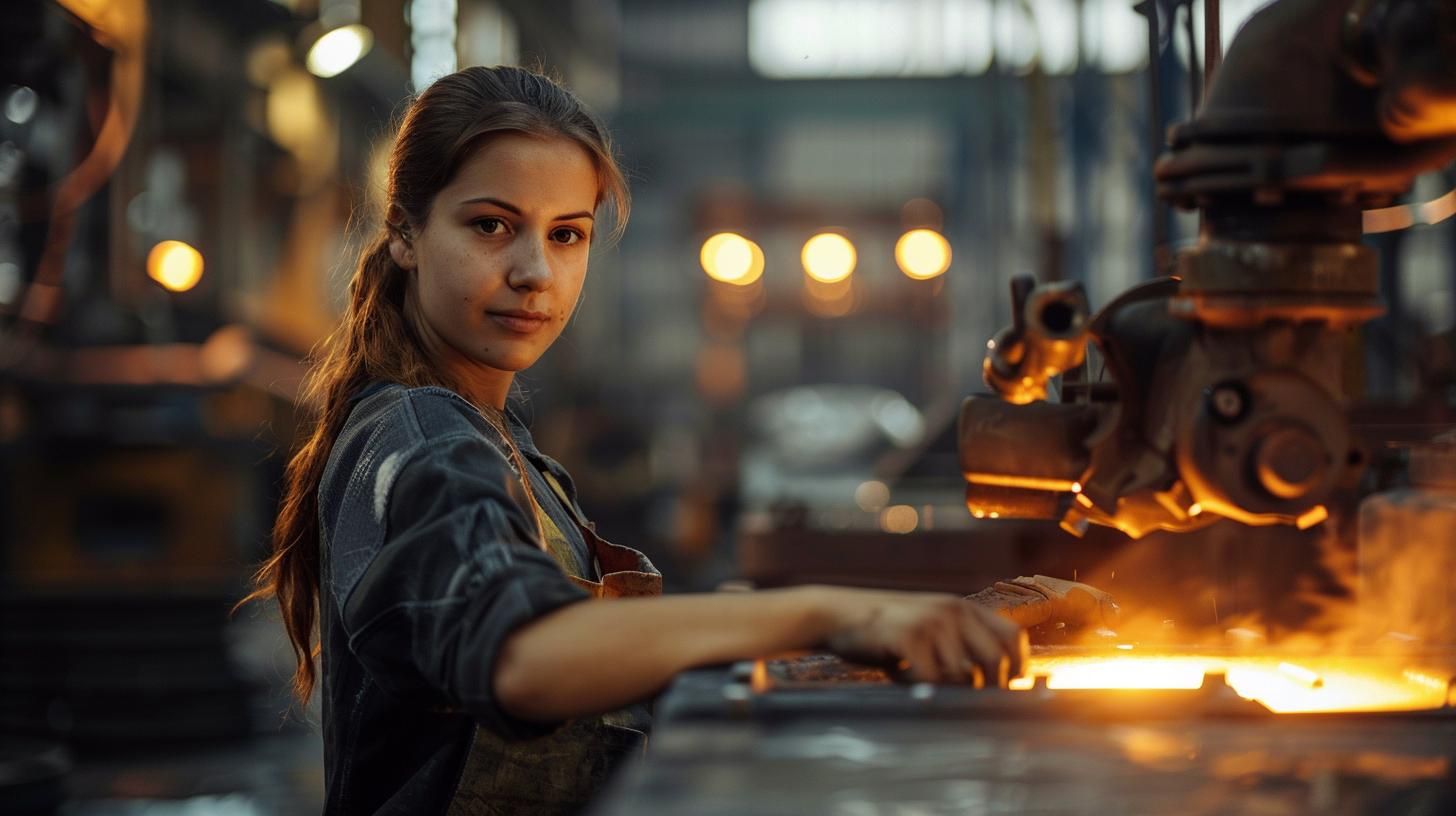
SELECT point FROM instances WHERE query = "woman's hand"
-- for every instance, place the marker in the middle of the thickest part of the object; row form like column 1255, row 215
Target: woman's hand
column 587, row 658
column 1033, row 601
column 929, row 637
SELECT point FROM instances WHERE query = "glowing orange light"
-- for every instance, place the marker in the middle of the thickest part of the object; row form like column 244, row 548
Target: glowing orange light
column 336, row 50
column 1028, row 482
column 899, row 518
column 1423, row 679
column 731, row 258
column 1127, row 673
column 828, row 257
column 922, row 254
column 1301, row 675
column 1281, row 686
column 175, row 265
column 1311, row 517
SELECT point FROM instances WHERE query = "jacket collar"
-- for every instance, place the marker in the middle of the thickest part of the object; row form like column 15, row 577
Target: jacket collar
column 520, row 431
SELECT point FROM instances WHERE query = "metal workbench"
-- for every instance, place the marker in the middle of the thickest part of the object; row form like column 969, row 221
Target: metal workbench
column 723, row 745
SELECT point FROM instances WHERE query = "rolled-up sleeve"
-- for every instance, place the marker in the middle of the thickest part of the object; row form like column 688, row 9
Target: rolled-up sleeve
column 457, row 572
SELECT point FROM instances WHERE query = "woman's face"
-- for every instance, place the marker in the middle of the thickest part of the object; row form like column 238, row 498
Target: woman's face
column 502, row 256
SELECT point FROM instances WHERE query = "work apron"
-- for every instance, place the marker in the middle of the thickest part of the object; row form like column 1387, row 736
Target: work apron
column 561, row 772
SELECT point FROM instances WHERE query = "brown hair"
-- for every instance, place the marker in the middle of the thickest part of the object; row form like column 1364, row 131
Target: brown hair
column 440, row 129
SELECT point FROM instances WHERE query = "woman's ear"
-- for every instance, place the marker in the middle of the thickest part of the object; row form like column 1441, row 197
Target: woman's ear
column 400, row 248
column 401, row 251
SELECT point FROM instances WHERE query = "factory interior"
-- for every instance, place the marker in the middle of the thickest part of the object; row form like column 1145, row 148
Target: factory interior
column 1132, row 323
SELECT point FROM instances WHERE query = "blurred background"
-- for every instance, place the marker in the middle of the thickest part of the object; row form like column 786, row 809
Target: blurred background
column 761, row 384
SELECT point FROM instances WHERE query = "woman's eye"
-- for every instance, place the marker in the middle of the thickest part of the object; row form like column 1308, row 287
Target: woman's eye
column 490, row 226
column 565, row 236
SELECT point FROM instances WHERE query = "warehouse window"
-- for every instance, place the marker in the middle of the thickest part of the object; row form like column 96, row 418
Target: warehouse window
column 808, row 39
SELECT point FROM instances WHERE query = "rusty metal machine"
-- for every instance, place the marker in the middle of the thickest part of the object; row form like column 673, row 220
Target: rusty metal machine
column 1215, row 392
column 1219, row 391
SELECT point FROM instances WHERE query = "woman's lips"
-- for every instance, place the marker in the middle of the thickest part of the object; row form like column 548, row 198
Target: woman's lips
column 519, row 322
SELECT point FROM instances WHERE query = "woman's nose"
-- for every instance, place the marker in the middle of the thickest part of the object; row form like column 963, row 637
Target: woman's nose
column 529, row 269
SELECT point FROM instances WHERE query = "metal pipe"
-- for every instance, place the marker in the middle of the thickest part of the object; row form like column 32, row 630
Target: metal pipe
column 1149, row 8
column 1194, row 88
column 1212, row 40
column 1048, row 336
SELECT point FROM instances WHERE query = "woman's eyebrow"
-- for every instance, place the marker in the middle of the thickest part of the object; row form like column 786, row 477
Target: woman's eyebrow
column 504, row 205
column 514, row 210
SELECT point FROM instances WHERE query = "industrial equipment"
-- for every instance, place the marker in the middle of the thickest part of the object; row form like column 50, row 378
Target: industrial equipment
column 1223, row 394
column 1219, row 391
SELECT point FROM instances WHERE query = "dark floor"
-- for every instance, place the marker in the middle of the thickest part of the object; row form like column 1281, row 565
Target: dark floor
column 278, row 770
column 280, row 774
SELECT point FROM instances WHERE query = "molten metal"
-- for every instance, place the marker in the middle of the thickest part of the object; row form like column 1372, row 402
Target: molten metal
column 1282, row 686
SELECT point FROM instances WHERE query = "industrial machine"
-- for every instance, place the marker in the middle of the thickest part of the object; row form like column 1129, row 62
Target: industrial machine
column 1219, row 391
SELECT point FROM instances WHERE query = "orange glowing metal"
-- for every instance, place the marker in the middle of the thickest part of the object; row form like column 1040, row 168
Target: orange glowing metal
column 1301, row 675
column 1423, row 679
column 1127, row 673
column 1028, row 482
column 1281, row 686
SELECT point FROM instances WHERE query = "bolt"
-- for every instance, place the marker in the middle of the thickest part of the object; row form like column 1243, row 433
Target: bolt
column 1227, row 402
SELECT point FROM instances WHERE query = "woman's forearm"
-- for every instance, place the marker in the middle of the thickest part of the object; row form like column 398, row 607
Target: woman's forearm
column 597, row 656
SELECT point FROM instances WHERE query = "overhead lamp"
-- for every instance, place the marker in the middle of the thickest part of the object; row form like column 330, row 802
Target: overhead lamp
column 177, row 266
column 922, row 254
column 730, row 258
column 339, row 48
column 899, row 518
column 828, row 257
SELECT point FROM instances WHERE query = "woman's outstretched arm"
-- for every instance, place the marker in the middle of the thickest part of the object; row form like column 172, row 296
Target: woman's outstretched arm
column 592, row 657
column 445, row 599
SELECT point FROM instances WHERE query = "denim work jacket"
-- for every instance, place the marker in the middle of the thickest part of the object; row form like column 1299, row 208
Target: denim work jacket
column 430, row 559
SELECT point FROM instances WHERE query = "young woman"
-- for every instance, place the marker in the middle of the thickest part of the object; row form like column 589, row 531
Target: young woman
column 444, row 559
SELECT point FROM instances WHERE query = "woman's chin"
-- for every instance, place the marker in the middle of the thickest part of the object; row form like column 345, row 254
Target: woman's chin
column 510, row 360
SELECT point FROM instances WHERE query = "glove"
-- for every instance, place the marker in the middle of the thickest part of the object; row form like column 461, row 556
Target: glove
column 1042, row 599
